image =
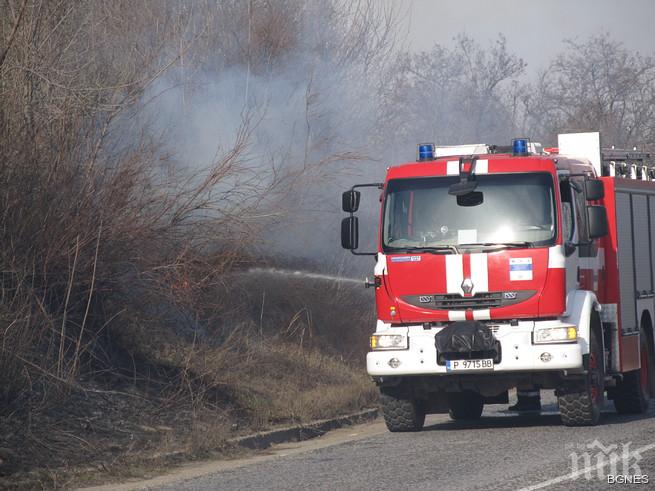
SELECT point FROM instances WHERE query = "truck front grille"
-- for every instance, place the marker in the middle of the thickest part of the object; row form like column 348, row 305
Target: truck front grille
column 455, row 301
column 478, row 301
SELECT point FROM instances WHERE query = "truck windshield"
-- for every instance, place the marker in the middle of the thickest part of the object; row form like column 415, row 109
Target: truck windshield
column 511, row 209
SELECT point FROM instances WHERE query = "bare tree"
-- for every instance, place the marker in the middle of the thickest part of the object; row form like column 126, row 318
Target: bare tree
column 90, row 212
column 596, row 84
column 451, row 95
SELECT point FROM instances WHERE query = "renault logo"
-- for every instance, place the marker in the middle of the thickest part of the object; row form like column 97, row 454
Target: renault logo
column 467, row 286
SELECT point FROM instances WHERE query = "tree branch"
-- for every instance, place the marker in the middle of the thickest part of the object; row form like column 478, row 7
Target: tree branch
column 13, row 33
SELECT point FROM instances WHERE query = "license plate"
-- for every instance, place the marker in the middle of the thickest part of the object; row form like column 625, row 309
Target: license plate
column 469, row 365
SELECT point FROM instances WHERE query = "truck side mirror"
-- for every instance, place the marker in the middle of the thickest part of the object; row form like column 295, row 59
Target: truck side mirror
column 350, row 201
column 597, row 220
column 350, row 233
column 594, row 189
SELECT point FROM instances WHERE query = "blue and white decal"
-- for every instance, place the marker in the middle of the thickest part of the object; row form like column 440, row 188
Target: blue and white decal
column 520, row 269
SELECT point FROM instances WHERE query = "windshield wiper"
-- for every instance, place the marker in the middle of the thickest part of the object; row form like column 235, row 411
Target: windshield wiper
column 428, row 249
column 503, row 245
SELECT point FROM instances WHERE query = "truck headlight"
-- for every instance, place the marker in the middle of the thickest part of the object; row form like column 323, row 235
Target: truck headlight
column 389, row 341
column 560, row 334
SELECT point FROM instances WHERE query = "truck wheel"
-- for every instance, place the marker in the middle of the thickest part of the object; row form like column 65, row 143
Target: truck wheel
column 402, row 413
column 465, row 405
column 632, row 395
column 582, row 407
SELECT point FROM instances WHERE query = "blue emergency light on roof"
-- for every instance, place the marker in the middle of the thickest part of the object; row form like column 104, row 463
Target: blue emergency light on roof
column 425, row 151
column 520, row 146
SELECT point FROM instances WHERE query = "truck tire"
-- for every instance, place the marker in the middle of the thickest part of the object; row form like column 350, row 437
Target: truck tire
column 402, row 413
column 632, row 394
column 582, row 407
column 465, row 405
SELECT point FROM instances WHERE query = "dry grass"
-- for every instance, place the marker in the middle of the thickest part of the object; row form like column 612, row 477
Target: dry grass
column 286, row 383
column 186, row 398
column 175, row 390
column 295, row 357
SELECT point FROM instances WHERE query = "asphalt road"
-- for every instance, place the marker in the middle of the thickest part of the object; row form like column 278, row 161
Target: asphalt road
column 500, row 451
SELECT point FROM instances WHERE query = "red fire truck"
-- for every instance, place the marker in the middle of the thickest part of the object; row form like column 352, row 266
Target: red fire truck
column 512, row 267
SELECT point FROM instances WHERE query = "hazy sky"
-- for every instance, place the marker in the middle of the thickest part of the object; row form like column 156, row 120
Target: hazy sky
column 534, row 28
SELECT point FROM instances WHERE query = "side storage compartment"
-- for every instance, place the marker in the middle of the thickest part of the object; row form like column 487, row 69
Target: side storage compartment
column 635, row 230
column 626, row 264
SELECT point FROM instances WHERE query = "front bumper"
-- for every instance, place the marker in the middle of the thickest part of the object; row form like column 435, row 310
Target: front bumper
column 519, row 354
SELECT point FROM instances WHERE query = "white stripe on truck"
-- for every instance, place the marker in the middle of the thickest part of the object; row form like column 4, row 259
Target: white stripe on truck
column 479, row 272
column 454, row 273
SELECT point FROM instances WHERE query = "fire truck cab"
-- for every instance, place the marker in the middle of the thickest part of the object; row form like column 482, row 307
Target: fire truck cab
column 512, row 267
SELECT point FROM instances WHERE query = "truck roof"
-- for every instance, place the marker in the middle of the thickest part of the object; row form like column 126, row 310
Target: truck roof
column 491, row 163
